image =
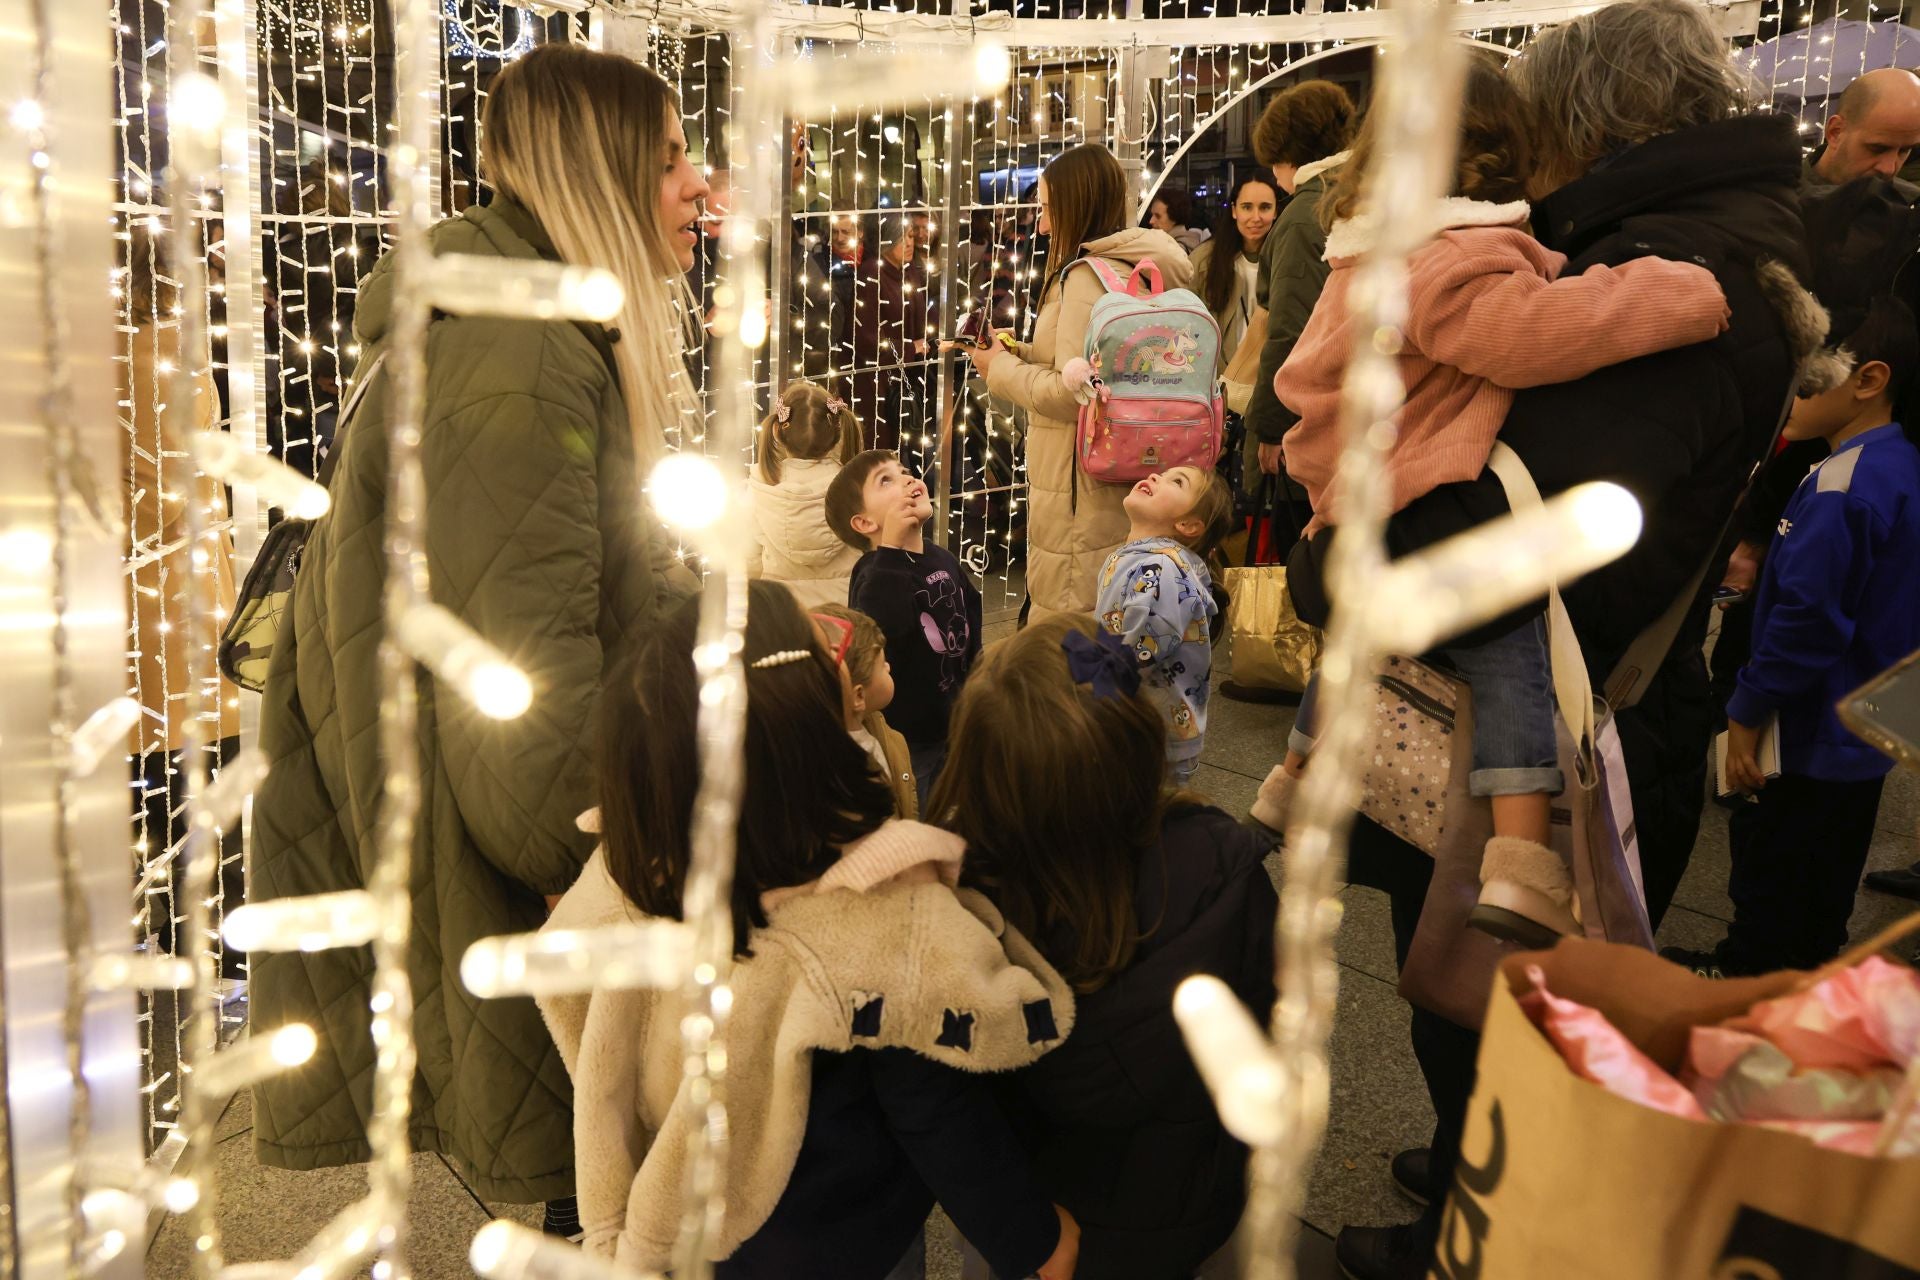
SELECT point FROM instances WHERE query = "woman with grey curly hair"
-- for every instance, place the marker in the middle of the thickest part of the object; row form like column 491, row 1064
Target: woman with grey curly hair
column 1647, row 147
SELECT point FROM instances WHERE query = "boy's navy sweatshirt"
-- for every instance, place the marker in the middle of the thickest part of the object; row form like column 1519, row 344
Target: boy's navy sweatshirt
column 929, row 610
column 1839, row 603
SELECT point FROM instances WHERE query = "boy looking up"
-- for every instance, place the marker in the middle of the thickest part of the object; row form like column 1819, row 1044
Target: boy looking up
column 926, row 606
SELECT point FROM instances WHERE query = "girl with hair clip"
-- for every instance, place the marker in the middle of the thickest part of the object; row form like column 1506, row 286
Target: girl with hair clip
column 804, row 442
column 1488, row 311
column 868, row 993
column 536, row 437
column 1127, row 888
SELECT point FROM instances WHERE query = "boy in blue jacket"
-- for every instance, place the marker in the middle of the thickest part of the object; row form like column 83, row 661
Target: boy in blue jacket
column 1839, row 602
column 1157, row 596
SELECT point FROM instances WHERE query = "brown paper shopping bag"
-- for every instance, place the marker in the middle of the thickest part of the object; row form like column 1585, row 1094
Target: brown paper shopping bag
column 1560, row 1178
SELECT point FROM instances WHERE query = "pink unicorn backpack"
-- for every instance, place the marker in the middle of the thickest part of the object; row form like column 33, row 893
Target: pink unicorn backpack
column 1155, row 397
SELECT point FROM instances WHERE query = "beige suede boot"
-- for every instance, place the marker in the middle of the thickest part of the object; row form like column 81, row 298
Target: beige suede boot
column 1526, row 894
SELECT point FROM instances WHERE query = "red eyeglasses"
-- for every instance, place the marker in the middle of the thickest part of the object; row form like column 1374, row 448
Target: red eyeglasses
column 830, row 627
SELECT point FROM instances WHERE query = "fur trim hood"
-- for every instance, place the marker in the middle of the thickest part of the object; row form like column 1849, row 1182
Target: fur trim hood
column 1822, row 368
column 1351, row 237
column 1308, row 172
column 886, row 956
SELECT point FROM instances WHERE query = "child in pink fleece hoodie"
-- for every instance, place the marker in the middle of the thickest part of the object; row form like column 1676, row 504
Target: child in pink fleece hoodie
column 1487, row 313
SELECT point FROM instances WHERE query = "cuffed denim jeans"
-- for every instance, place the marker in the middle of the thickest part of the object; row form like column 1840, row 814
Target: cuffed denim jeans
column 1515, row 752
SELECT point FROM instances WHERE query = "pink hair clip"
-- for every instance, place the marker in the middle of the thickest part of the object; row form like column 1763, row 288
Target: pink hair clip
column 782, row 412
column 836, row 405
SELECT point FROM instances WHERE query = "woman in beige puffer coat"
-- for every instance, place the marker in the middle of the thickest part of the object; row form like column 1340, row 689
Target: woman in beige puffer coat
column 804, row 442
column 1073, row 523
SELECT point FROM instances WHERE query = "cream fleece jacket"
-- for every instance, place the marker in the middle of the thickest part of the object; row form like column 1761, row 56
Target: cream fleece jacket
column 881, row 952
column 791, row 540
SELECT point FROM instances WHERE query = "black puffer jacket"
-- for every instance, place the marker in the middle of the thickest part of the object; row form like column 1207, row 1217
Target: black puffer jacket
column 1681, row 430
column 1119, row 1125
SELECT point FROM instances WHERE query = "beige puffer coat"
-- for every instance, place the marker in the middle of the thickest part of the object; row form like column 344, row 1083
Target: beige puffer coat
column 791, row 540
column 1070, row 536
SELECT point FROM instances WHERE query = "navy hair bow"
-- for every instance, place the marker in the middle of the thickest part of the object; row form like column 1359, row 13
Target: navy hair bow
column 1103, row 661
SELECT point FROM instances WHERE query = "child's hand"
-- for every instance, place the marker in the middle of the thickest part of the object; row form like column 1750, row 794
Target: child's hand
column 1743, row 758
column 1066, row 1254
column 1743, row 568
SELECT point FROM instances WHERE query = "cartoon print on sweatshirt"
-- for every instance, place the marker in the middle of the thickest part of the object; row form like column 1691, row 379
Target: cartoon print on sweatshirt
column 1156, row 596
column 942, row 598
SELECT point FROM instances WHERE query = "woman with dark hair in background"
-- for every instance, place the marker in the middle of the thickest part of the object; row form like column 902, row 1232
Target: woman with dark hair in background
column 1227, row 265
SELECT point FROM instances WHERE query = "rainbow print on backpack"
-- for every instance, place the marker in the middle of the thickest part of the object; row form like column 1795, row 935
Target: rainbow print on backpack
column 1155, row 357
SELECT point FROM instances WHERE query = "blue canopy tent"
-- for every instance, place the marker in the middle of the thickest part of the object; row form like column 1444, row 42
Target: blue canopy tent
column 1804, row 70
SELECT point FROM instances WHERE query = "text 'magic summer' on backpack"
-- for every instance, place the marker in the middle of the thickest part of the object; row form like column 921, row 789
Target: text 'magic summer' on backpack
column 1156, row 356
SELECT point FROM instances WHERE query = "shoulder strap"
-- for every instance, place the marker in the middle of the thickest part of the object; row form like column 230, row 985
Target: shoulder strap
column 1648, row 653
column 324, row 476
column 1145, row 281
column 1571, row 688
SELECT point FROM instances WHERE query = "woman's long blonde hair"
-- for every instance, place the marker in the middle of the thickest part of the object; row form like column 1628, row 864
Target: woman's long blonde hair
column 579, row 138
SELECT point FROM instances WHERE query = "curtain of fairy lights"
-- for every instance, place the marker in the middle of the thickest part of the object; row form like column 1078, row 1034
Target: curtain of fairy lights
column 902, row 223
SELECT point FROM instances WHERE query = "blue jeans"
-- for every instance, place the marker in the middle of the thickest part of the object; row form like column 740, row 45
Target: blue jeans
column 1515, row 752
column 928, row 761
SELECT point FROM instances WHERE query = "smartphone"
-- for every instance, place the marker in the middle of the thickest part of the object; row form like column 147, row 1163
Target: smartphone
column 1724, row 595
column 973, row 330
column 1886, row 711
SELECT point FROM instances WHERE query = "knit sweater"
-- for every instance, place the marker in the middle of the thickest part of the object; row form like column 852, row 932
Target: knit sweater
column 1487, row 314
column 880, row 953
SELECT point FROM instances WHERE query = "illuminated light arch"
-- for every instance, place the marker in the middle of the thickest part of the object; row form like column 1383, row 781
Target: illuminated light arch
column 1201, row 127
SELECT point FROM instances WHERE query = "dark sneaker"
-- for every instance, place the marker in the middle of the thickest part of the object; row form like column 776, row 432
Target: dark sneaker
column 1903, row 883
column 1383, row 1253
column 1413, row 1175
column 1706, row 964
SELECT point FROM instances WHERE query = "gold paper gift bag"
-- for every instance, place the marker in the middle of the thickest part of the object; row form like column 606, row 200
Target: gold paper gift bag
column 1272, row 648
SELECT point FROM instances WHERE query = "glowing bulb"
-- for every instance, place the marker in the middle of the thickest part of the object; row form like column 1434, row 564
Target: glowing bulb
column 25, row 551
column 226, row 457
column 501, row 691
column 27, row 115
column 472, row 284
column 197, row 103
column 294, row 1043
column 181, row 1194
column 992, row 65
column 1607, row 514
column 312, row 922
column 688, row 491
column 104, row 731
column 260, row 1055
column 1235, row 1059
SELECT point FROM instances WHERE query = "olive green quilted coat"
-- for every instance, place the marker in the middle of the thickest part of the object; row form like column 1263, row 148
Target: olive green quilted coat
column 535, row 537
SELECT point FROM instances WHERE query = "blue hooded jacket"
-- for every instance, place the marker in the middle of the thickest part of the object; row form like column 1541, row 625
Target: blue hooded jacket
column 1839, row 603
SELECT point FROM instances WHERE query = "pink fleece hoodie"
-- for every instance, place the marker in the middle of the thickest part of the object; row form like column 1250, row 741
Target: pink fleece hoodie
column 1486, row 315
